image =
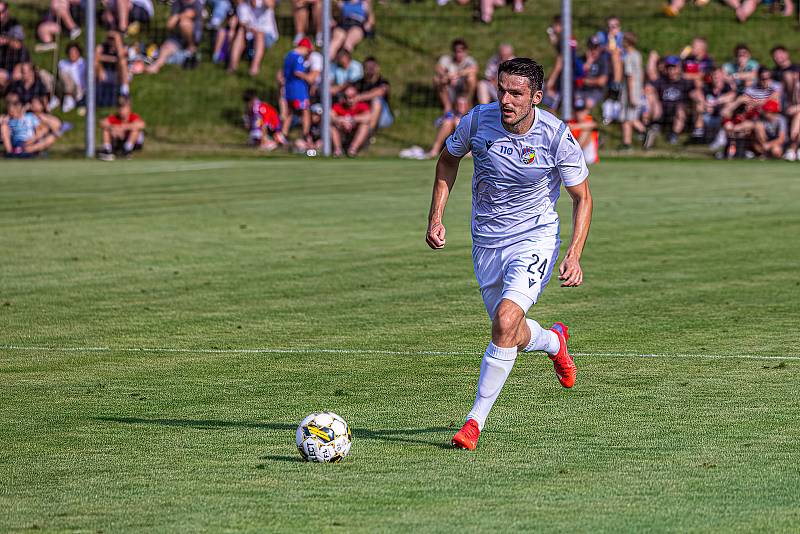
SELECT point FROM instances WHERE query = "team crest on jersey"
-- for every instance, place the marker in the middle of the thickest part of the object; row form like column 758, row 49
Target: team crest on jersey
column 527, row 155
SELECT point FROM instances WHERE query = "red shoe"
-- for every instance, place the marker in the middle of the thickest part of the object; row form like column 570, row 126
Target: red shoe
column 467, row 437
column 562, row 361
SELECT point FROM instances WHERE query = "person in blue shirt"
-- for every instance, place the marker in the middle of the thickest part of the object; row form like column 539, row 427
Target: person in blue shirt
column 355, row 20
column 296, row 80
column 23, row 134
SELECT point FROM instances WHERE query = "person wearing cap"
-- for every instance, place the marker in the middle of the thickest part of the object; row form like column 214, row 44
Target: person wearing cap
column 668, row 95
column 256, row 24
column 770, row 131
column 296, row 80
column 596, row 72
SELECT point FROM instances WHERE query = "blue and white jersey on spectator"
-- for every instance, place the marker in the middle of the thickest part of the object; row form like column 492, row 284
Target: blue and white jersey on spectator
column 517, row 178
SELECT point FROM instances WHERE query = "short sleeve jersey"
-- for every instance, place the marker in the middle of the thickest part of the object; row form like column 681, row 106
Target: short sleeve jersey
column 517, row 178
column 633, row 68
column 23, row 129
column 296, row 88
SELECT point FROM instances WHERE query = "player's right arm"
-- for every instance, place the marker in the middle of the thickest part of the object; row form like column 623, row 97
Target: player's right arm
column 446, row 172
column 456, row 147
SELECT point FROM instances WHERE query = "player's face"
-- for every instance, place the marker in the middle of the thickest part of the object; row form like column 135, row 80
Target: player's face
column 516, row 100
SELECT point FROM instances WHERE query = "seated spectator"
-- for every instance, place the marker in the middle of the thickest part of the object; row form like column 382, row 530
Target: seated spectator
column 632, row 91
column 375, row 90
column 262, row 121
column 29, row 85
column 185, row 24
column 350, row 120
column 447, row 125
column 346, row 71
column 667, row 97
column 596, row 71
column 61, row 13
column 717, row 94
column 302, row 12
column 23, row 135
column 355, row 20
column 111, row 69
column 54, row 125
column 697, row 68
column 611, row 42
column 584, row 130
column 552, row 91
column 770, row 131
column 487, row 88
column 314, row 65
column 311, row 145
column 12, row 49
column 127, row 16
column 256, row 24
column 488, row 7
column 72, row 74
column 225, row 22
column 296, row 78
column 123, row 131
column 742, row 69
column 788, row 74
column 456, row 75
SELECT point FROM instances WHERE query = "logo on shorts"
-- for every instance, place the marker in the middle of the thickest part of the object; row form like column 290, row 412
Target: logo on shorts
column 527, row 155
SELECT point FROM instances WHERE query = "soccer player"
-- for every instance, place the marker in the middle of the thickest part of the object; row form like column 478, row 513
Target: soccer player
column 521, row 155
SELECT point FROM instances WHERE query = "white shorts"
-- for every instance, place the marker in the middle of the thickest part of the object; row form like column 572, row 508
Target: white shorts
column 517, row 272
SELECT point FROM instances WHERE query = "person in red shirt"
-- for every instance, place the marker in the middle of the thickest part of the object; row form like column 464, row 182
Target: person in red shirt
column 350, row 121
column 123, row 131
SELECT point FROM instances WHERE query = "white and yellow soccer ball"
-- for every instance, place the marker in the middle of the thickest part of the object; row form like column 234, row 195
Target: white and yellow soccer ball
column 323, row 437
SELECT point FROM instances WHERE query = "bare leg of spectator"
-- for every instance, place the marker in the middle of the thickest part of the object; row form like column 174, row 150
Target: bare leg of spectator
column 3, row 80
column 484, row 95
column 360, row 137
column 316, row 11
column 487, row 11
column 47, row 31
column 375, row 113
column 186, row 27
column 673, row 8
column 300, row 15
column 337, row 40
column 306, row 118
column 444, row 95
column 336, row 141
column 354, row 36
column 616, row 66
column 166, row 51
column 5, row 134
column 237, row 47
column 747, row 8
column 794, row 132
column 470, row 86
column 61, row 10
column 445, row 129
column 679, row 123
column 123, row 8
column 258, row 53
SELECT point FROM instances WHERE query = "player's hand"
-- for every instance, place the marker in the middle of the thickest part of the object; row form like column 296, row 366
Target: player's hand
column 435, row 236
column 570, row 272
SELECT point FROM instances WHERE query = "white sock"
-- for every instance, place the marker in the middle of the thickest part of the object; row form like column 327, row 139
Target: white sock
column 541, row 339
column 495, row 367
column 128, row 146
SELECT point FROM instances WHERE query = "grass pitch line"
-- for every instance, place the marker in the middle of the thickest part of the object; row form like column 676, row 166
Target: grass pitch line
column 377, row 351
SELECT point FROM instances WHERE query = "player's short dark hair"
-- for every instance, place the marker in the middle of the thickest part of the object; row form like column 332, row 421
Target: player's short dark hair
column 525, row 67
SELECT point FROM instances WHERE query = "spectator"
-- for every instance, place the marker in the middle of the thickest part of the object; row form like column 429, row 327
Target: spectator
column 611, row 42
column 12, row 50
column 24, row 136
column 668, row 95
column 350, row 123
column 256, row 24
column 296, row 87
column 111, row 68
column 262, row 121
column 488, row 7
column 61, row 13
column 742, row 69
column 596, row 71
column 185, row 24
column 225, row 22
column 717, row 94
column 346, row 71
column 221, row 11
column 54, row 125
column 584, row 130
column 552, row 96
column 487, row 88
column 123, row 131
column 302, row 11
column 447, row 125
column 375, row 90
column 632, row 90
column 789, row 74
column 313, row 143
column 355, row 20
column 29, row 85
column 770, row 131
column 314, row 65
column 697, row 64
column 456, row 75
column 72, row 73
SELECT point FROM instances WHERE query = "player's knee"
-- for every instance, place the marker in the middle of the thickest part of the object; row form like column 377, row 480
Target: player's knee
column 505, row 324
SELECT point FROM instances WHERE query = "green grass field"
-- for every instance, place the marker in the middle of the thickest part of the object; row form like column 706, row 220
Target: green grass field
column 130, row 293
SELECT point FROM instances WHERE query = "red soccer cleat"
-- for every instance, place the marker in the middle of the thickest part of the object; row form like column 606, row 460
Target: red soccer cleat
column 562, row 361
column 467, row 437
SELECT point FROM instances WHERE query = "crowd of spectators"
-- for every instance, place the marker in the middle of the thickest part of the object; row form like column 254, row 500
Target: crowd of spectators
column 743, row 9
column 739, row 108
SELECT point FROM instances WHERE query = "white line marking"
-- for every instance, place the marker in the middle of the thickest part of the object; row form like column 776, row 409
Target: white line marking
column 373, row 351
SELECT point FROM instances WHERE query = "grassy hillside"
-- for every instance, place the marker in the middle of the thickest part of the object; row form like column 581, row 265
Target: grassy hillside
column 198, row 112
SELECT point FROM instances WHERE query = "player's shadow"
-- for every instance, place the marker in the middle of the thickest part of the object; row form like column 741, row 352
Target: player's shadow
column 401, row 435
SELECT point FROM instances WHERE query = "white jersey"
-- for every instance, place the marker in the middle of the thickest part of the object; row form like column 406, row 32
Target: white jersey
column 517, row 178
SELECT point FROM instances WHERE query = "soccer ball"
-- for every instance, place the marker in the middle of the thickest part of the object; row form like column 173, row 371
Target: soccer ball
column 323, row 437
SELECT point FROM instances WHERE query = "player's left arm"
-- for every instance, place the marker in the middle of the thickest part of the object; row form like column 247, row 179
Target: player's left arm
column 570, row 271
